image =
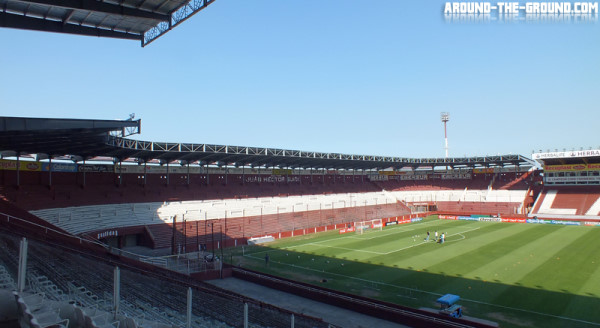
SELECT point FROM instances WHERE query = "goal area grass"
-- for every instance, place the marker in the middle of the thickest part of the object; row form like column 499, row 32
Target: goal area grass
column 516, row 274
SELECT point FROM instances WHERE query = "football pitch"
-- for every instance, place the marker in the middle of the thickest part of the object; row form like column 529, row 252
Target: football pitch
column 519, row 275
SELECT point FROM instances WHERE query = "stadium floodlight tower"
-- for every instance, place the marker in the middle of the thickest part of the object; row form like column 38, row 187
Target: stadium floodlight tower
column 445, row 118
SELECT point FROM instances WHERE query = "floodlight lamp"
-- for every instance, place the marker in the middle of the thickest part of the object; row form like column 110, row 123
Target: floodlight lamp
column 445, row 116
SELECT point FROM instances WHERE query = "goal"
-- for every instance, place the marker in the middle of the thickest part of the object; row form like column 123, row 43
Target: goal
column 362, row 226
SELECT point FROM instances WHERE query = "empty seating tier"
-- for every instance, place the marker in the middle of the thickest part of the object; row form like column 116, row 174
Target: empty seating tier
column 568, row 202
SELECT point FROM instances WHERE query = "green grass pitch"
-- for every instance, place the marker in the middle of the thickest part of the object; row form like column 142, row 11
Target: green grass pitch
column 519, row 275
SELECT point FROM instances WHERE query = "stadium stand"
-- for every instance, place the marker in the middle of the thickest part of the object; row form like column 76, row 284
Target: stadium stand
column 67, row 286
column 571, row 189
column 283, row 207
column 81, row 219
column 513, row 181
column 477, row 182
column 216, row 196
column 568, row 202
column 66, row 192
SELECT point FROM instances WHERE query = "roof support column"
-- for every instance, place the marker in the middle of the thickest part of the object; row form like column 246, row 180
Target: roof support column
column 212, row 237
column 188, row 321
column 321, row 214
column 18, row 169
column 173, row 234
column 223, row 230
column 145, row 173
column 83, row 169
column 198, row 248
column 188, row 173
column 184, row 248
column 116, row 291
column 167, row 173
column 243, row 175
column 243, row 227
column 363, row 175
column 120, row 172
column 50, row 171
column 207, row 175
column 22, row 273
column 226, row 171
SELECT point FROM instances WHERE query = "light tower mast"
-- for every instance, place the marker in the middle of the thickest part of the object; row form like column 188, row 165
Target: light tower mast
column 445, row 118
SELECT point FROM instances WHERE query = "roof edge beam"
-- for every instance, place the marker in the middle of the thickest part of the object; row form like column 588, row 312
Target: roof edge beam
column 102, row 7
column 38, row 24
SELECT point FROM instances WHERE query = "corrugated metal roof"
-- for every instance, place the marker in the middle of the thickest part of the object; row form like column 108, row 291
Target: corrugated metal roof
column 143, row 20
column 93, row 138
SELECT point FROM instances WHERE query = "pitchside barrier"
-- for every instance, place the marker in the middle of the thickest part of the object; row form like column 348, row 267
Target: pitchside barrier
column 483, row 218
column 260, row 240
column 222, row 237
column 222, row 234
column 372, row 307
column 341, row 227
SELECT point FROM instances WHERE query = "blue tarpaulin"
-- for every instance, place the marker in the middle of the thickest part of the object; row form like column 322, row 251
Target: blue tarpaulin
column 448, row 299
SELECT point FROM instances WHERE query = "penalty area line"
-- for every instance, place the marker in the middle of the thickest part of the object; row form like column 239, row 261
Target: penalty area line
column 394, row 230
column 427, row 242
column 319, row 244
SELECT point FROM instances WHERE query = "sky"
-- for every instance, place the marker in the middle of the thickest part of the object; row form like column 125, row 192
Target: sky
column 353, row 77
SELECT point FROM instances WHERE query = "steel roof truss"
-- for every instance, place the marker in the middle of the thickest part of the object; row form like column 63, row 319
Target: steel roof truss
column 102, row 7
column 179, row 16
column 68, row 17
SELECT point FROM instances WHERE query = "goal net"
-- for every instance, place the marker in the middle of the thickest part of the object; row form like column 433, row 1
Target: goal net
column 369, row 225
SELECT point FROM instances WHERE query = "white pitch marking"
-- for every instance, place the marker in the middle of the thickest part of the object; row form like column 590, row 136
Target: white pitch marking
column 438, row 294
column 371, row 252
column 384, row 253
column 343, row 248
column 399, row 228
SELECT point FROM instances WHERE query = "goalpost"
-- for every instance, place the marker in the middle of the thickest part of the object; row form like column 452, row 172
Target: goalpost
column 362, row 226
